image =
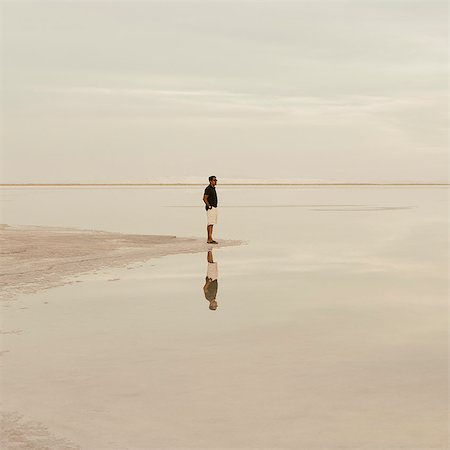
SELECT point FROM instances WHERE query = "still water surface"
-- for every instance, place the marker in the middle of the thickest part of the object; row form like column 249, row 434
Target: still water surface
column 330, row 330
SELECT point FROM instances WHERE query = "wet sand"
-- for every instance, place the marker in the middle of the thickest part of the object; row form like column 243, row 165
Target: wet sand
column 36, row 258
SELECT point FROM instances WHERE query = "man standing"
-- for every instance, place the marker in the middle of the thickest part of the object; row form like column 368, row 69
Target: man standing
column 210, row 199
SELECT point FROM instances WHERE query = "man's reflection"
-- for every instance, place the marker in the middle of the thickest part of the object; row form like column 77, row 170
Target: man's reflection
column 210, row 287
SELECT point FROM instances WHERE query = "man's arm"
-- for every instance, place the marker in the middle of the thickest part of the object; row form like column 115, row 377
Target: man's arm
column 205, row 199
column 205, row 287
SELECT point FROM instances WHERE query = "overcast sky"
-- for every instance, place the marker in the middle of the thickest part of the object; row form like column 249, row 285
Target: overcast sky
column 142, row 91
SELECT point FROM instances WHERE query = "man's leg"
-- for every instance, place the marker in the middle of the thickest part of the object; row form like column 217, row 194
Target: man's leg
column 210, row 230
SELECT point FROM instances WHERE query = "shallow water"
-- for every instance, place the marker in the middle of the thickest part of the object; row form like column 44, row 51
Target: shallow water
column 330, row 332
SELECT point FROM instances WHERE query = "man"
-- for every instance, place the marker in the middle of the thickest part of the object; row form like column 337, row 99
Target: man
column 211, row 284
column 210, row 199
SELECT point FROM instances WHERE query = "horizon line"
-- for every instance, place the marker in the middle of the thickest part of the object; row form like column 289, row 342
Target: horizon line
column 225, row 184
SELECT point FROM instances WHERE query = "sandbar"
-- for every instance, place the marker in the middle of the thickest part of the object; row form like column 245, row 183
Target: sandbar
column 35, row 258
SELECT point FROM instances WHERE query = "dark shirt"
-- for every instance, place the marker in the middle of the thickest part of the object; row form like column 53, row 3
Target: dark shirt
column 211, row 291
column 212, row 196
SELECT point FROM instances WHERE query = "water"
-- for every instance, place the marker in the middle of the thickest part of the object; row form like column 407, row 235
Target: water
column 330, row 331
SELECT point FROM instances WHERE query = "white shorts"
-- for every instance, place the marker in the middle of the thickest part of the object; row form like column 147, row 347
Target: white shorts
column 212, row 271
column 211, row 215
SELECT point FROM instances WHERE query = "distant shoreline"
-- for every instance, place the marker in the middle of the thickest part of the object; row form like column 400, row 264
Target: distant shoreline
column 222, row 184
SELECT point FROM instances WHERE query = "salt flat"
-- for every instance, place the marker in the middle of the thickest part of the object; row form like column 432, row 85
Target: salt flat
column 36, row 258
column 330, row 333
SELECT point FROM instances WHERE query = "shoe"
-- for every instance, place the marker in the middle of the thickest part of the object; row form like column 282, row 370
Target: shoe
column 211, row 242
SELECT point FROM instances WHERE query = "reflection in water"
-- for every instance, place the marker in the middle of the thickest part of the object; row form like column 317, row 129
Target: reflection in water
column 211, row 284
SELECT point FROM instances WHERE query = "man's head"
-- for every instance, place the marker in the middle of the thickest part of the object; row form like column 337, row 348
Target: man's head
column 213, row 305
column 212, row 180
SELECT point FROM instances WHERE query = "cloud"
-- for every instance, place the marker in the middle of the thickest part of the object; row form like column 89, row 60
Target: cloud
column 343, row 90
column 189, row 101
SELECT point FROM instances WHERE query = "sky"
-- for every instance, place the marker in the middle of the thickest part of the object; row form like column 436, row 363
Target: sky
column 335, row 91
